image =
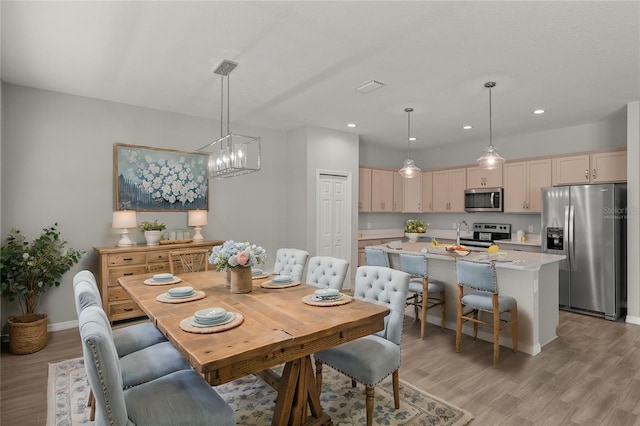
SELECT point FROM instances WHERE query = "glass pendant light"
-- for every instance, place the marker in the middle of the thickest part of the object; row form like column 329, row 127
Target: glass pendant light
column 409, row 168
column 490, row 159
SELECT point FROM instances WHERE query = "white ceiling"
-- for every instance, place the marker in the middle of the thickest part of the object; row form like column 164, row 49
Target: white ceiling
column 299, row 62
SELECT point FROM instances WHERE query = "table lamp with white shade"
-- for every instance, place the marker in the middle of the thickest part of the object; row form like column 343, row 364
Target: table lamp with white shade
column 124, row 219
column 197, row 219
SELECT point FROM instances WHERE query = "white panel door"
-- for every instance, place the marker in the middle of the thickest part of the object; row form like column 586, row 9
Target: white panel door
column 333, row 218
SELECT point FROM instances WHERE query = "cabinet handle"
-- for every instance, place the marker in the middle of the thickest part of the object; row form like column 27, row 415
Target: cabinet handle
column 126, row 274
column 360, row 206
column 586, row 174
column 429, row 206
column 524, row 204
column 128, row 309
column 594, row 174
column 128, row 259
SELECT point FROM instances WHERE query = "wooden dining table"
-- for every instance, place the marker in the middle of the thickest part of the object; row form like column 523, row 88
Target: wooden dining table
column 277, row 328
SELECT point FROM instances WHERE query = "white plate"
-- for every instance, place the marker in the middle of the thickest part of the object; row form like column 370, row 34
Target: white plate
column 176, row 291
column 179, row 296
column 162, row 277
column 210, row 314
column 230, row 317
column 326, row 292
column 257, row 272
column 282, row 279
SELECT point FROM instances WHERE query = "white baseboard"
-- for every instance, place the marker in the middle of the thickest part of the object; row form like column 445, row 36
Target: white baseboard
column 632, row 320
column 62, row 325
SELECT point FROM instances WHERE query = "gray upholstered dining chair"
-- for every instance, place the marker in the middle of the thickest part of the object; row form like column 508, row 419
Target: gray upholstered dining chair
column 370, row 359
column 426, row 293
column 179, row 398
column 291, row 261
column 327, row 272
column 376, row 256
column 482, row 279
column 129, row 338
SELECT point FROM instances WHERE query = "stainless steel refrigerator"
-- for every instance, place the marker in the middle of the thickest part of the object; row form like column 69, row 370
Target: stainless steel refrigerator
column 587, row 223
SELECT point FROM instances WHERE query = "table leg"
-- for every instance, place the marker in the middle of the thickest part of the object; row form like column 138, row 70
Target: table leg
column 297, row 391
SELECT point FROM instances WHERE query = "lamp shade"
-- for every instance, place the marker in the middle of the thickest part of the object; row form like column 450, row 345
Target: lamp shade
column 197, row 217
column 124, row 219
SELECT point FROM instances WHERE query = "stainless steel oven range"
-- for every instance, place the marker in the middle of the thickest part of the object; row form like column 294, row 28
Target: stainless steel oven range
column 484, row 234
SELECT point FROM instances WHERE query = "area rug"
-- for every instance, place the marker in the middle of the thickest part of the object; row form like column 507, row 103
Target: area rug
column 254, row 401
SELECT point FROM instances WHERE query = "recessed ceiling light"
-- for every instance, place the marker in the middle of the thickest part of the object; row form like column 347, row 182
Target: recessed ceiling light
column 369, row 86
column 412, row 138
column 467, row 127
column 352, row 125
column 538, row 111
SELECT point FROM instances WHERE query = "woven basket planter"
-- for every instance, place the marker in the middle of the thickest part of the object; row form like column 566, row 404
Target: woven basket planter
column 27, row 333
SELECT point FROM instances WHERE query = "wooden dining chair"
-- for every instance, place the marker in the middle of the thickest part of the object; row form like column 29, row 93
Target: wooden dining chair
column 188, row 260
column 482, row 279
column 425, row 293
column 327, row 272
column 370, row 359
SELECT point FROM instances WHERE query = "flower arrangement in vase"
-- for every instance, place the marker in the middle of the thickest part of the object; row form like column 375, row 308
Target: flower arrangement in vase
column 413, row 228
column 152, row 231
column 237, row 258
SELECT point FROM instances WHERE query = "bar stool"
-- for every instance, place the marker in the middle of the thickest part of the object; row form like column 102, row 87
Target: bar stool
column 376, row 257
column 482, row 279
column 427, row 293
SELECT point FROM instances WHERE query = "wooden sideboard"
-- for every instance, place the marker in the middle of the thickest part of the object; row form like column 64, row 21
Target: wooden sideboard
column 116, row 262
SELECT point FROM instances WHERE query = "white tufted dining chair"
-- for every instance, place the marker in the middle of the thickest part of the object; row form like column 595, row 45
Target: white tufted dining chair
column 291, row 261
column 370, row 359
column 327, row 272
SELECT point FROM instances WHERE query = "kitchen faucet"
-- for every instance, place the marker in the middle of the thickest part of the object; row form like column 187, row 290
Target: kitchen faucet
column 464, row 222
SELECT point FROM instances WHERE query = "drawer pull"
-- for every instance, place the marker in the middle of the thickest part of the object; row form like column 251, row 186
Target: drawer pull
column 127, row 273
column 128, row 309
column 128, row 259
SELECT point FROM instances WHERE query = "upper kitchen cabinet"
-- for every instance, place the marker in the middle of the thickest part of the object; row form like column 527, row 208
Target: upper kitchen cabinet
column 482, row 178
column 597, row 167
column 381, row 191
column 364, row 191
column 412, row 189
column 398, row 192
column 427, row 192
column 448, row 190
column 522, row 184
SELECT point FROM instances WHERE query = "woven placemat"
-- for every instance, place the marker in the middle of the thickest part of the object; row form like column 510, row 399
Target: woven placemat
column 258, row 277
column 150, row 281
column 186, row 326
column 165, row 299
column 309, row 299
column 270, row 284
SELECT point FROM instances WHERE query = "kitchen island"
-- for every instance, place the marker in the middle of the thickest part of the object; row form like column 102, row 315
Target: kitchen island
column 531, row 278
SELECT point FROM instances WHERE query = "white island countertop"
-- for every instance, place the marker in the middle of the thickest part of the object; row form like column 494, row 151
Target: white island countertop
column 522, row 260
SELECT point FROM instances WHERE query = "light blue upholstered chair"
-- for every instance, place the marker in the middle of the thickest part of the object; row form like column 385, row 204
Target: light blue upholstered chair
column 179, row 398
column 427, row 293
column 482, row 279
column 327, row 272
column 376, row 257
column 291, row 261
column 127, row 339
column 370, row 359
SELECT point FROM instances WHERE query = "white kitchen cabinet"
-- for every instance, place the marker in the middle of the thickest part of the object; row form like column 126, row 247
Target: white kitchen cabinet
column 364, row 191
column 598, row 167
column 398, row 192
column 427, row 192
column 381, row 191
column 412, row 192
column 481, row 178
column 522, row 184
column 448, row 190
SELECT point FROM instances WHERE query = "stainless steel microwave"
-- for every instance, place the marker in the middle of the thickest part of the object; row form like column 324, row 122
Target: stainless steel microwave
column 483, row 200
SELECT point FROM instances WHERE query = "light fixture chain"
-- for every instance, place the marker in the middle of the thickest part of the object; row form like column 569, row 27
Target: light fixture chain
column 221, row 105
column 229, row 101
column 408, row 134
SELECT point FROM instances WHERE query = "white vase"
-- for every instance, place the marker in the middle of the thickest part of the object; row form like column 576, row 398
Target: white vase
column 412, row 236
column 152, row 237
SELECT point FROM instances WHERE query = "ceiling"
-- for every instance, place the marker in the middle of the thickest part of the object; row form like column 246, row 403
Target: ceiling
column 300, row 62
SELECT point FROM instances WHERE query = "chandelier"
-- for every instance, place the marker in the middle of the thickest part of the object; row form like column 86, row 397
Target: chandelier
column 232, row 154
column 409, row 168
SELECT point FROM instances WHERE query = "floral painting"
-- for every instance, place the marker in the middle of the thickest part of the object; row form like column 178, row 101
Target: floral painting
column 152, row 179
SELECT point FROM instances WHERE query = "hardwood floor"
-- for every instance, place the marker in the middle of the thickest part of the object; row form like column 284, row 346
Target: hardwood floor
column 590, row 375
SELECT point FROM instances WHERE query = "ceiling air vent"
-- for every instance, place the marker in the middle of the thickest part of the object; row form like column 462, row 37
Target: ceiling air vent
column 369, row 86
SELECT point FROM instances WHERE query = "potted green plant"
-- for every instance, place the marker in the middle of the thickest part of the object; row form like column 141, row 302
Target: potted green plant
column 28, row 270
column 413, row 228
column 152, row 231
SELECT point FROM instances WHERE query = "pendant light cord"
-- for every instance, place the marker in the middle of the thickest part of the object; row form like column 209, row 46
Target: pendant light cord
column 408, row 134
column 490, row 120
